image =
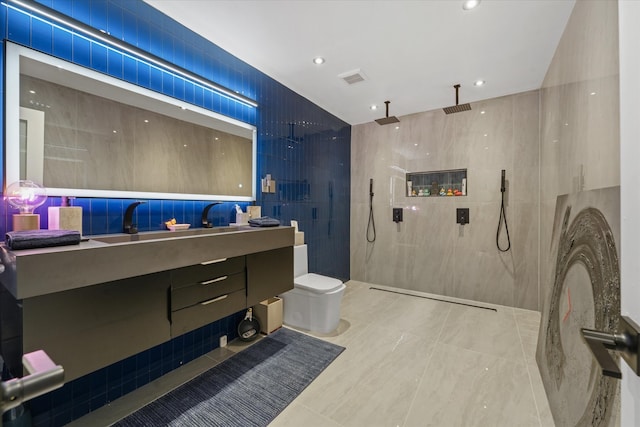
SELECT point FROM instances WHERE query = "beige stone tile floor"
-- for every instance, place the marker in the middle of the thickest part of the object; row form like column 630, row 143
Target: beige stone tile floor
column 409, row 361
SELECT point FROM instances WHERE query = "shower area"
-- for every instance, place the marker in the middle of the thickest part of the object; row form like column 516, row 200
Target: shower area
column 429, row 251
column 559, row 146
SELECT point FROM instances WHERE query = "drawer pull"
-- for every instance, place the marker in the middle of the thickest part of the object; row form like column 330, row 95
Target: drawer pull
column 220, row 298
column 217, row 279
column 213, row 261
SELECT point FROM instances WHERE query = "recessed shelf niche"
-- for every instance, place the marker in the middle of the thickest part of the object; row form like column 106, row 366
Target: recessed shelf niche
column 444, row 183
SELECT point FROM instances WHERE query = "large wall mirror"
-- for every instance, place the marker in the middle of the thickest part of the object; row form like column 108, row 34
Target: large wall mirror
column 85, row 134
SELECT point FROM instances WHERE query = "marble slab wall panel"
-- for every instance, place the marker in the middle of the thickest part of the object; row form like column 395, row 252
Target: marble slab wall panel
column 579, row 152
column 428, row 251
column 584, row 293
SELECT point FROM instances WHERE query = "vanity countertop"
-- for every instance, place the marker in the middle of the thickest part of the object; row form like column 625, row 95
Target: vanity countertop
column 33, row 272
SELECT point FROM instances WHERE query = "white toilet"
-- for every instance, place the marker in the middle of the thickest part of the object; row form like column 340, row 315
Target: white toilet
column 314, row 302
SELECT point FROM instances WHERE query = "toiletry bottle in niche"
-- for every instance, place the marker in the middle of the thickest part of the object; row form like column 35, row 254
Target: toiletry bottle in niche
column 434, row 188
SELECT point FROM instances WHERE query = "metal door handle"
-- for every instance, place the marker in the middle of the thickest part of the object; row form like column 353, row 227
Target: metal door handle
column 44, row 376
column 626, row 341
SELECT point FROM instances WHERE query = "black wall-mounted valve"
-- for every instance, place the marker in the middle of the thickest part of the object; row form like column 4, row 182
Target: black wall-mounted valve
column 397, row 215
column 462, row 216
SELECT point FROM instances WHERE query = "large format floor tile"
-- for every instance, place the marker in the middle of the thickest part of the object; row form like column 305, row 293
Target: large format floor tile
column 411, row 359
column 467, row 388
column 426, row 360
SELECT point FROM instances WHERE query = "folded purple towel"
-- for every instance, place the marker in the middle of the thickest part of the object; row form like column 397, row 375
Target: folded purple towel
column 32, row 239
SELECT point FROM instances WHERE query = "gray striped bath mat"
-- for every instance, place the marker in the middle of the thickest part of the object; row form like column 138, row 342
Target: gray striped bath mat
column 249, row 389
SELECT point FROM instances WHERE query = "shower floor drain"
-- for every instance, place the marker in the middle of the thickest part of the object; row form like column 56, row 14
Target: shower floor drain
column 434, row 299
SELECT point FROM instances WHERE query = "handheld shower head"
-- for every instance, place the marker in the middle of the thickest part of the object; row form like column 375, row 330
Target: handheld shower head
column 387, row 120
column 458, row 107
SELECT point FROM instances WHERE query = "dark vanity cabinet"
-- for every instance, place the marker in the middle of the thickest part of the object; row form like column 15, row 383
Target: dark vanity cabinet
column 88, row 328
column 203, row 293
column 104, row 300
column 269, row 273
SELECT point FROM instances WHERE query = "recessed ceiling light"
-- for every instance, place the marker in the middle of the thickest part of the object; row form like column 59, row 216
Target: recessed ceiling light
column 482, row 112
column 374, row 107
column 318, row 60
column 479, row 83
column 470, row 4
column 592, row 93
column 397, row 127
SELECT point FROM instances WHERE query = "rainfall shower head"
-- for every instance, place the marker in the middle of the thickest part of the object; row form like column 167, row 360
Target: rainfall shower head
column 387, row 120
column 458, row 107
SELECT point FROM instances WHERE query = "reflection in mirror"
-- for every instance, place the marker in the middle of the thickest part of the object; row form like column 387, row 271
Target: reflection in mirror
column 101, row 137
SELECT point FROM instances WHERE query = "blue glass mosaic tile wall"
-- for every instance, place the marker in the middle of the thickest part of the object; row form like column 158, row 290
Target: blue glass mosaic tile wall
column 304, row 148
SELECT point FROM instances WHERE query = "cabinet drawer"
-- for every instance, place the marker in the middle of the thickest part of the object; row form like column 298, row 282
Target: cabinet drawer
column 193, row 317
column 205, row 290
column 203, row 272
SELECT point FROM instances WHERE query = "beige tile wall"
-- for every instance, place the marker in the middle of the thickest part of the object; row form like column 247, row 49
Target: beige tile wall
column 580, row 132
column 579, row 151
column 428, row 251
column 561, row 139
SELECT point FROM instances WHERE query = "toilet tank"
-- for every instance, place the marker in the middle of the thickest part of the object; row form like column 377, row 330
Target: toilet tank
column 300, row 265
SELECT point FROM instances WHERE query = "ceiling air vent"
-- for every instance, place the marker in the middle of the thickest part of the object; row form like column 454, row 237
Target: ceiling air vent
column 353, row 76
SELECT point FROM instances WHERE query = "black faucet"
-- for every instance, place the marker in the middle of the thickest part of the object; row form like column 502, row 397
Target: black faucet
column 127, row 225
column 205, row 213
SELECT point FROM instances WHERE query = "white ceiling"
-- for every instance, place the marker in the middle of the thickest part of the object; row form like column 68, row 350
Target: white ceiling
column 411, row 52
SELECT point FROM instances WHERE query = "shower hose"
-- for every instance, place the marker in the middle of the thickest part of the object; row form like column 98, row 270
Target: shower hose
column 371, row 226
column 503, row 216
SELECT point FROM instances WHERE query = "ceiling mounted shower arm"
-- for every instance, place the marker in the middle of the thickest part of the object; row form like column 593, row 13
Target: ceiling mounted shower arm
column 387, row 120
column 458, row 107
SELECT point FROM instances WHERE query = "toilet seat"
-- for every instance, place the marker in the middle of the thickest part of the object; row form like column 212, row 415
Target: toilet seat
column 317, row 283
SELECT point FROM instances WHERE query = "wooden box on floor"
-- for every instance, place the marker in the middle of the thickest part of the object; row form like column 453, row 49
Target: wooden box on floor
column 269, row 314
